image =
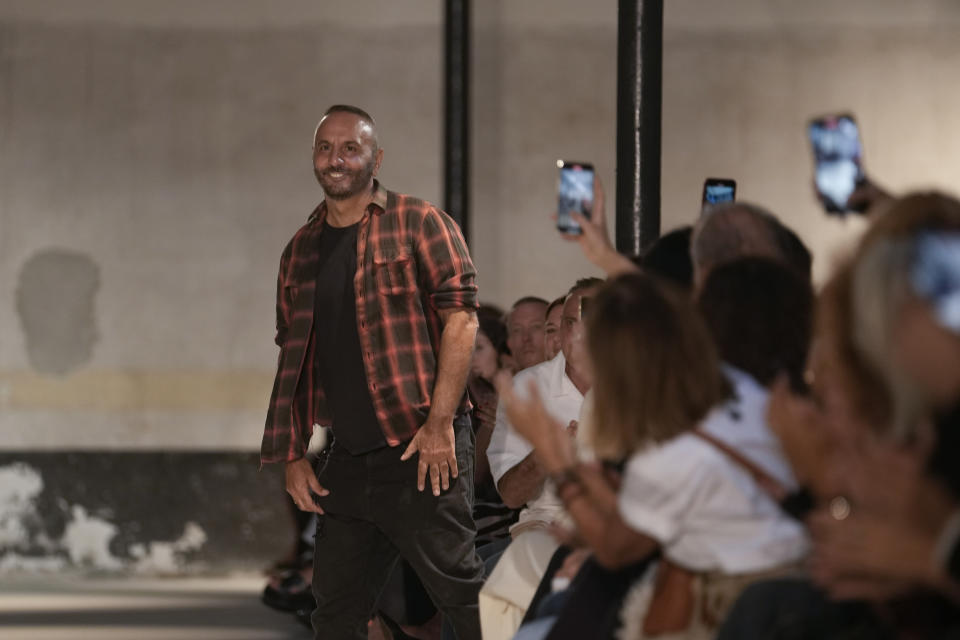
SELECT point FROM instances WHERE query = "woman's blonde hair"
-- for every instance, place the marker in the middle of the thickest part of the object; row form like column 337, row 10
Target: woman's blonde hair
column 858, row 305
column 656, row 370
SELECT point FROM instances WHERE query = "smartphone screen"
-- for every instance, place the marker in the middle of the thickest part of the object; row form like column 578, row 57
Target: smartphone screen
column 574, row 194
column 717, row 191
column 935, row 276
column 837, row 156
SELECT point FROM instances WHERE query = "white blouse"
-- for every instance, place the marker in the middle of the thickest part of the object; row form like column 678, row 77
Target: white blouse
column 704, row 509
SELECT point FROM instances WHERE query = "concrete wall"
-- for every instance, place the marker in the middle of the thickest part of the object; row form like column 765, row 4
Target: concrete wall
column 154, row 159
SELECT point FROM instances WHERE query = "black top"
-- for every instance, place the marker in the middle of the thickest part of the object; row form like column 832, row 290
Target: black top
column 339, row 357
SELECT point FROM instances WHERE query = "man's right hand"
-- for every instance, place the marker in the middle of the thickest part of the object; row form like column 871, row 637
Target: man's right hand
column 303, row 486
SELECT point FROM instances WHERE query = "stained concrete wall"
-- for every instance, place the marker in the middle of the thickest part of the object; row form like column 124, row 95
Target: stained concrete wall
column 154, row 159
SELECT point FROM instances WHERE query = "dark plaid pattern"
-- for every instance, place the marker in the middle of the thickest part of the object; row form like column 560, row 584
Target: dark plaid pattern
column 412, row 262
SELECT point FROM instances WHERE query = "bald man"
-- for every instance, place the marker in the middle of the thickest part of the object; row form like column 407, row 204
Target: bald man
column 376, row 322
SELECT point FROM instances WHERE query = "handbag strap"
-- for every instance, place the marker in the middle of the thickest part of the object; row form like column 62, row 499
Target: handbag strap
column 763, row 479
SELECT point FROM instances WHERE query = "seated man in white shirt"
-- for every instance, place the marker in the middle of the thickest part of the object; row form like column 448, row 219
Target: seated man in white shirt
column 561, row 383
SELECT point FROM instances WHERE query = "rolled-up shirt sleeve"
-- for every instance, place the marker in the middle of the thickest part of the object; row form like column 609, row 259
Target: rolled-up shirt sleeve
column 448, row 274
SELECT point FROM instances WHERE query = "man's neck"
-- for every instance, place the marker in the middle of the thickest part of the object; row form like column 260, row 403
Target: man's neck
column 579, row 381
column 349, row 211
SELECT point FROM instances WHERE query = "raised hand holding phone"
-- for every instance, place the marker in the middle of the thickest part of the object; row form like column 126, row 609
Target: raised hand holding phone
column 593, row 238
column 837, row 154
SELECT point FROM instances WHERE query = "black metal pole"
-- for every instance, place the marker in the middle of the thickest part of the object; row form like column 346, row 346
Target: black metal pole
column 639, row 104
column 456, row 141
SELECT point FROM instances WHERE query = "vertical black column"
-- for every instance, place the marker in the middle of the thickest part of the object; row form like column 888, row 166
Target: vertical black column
column 639, row 102
column 456, row 140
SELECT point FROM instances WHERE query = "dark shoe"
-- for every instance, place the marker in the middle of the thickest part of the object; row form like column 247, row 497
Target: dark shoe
column 290, row 594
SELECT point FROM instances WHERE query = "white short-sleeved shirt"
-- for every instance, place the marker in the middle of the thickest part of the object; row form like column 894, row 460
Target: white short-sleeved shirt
column 508, row 448
column 704, row 509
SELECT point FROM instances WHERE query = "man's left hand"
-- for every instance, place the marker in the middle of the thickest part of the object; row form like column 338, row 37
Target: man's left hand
column 438, row 455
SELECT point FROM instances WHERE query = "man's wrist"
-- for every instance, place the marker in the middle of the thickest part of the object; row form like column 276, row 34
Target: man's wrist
column 439, row 422
column 617, row 263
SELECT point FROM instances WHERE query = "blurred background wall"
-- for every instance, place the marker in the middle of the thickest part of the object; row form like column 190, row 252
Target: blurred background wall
column 155, row 158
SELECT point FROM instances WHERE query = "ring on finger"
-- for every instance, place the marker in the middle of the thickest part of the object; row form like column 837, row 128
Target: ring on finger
column 840, row 508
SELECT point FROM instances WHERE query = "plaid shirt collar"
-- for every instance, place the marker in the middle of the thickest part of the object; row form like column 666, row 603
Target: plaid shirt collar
column 378, row 204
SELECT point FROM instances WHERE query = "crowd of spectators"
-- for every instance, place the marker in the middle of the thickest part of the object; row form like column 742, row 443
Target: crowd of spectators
column 717, row 450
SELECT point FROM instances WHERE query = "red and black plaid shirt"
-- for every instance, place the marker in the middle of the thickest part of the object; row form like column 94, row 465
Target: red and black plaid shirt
column 412, row 262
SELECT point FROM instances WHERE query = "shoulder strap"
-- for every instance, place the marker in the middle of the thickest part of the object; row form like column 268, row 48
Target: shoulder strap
column 763, row 479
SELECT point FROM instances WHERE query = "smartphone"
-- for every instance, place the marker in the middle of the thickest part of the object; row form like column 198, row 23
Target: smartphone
column 717, row 191
column 574, row 194
column 837, row 155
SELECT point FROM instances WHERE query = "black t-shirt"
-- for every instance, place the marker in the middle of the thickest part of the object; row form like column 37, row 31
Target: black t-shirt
column 339, row 357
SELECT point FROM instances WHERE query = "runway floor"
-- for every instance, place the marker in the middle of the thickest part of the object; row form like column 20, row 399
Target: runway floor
column 60, row 608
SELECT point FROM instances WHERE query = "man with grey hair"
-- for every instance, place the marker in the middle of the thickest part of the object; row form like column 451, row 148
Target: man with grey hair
column 738, row 230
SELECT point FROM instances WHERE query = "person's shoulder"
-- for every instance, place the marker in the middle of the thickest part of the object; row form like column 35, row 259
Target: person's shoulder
column 540, row 372
column 680, row 456
column 414, row 209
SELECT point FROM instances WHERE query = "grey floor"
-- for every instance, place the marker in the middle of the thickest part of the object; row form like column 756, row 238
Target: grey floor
column 62, row 608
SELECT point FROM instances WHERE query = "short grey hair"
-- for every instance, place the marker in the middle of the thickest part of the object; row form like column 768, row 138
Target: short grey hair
column 741, row 229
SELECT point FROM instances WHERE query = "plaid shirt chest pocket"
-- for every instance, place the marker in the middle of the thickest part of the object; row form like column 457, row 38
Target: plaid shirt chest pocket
column 395, row 272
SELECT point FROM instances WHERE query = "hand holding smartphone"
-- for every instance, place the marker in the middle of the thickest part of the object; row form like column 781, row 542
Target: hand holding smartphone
column 574, row 194
column 837, row 155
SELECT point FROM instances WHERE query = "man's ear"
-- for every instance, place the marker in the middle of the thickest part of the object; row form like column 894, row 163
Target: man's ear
column 378, row 162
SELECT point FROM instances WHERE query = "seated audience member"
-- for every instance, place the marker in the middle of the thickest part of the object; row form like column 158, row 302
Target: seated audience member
column 520, row 480
column 551, row 334
column 885, row 369
column 484, row 366
column 685, row 492
column 525, row 331
column 492, row 517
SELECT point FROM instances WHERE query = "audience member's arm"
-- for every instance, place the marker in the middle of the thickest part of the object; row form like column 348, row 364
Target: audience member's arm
column 517, row 475
column 868, row 198
column 594, row 241
column 522, row 483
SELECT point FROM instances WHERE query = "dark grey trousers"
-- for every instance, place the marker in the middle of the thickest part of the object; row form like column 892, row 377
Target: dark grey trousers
column 375, row 515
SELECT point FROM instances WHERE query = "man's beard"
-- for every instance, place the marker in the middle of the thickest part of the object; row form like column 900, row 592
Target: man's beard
column 357, row 181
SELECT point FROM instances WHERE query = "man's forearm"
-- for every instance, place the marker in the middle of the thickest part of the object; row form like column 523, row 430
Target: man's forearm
column 453, row 363
column 522, row 483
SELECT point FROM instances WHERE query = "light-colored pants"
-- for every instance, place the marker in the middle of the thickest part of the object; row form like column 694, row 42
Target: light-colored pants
column 508, row 591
